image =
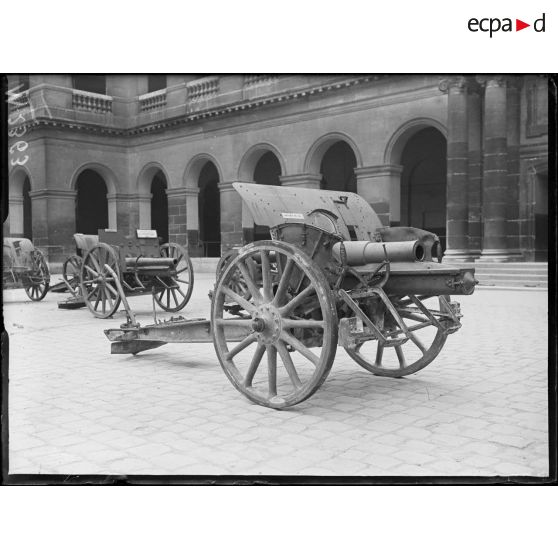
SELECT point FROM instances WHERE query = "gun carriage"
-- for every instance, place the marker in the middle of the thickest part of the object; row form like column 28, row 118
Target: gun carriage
column 25, row 266
column 331, row 275
column 111, row 266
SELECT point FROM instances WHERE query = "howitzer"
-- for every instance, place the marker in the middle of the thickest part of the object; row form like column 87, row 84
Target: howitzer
column 110, row 266
column 25, row 266
column 331, row 275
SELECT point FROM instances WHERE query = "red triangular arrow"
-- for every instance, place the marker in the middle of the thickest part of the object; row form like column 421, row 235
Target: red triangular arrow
column 519, row 25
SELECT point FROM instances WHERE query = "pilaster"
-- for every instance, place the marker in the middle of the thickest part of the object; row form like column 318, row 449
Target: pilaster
column 231, row 217
column 177, row 204
column 379, row 185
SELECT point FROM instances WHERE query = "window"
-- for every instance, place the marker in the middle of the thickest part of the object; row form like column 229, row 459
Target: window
column 93, row 83
column 155, row 82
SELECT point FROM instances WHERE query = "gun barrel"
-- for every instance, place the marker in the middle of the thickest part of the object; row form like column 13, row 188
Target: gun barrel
column 143, row 262
column 362, row 252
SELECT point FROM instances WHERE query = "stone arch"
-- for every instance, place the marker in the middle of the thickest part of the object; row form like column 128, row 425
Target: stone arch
column 194, row 168
column 109, row 178
column 19, row 203
column 106, row 173
column 146, row 175
column 321, row 145
column 252, row 156
column 399, row 139
column 198, row 244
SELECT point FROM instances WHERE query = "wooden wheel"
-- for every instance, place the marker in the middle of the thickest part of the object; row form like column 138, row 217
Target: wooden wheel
column 98, row 286
column 425, row 341
column 71, row 269
column 290, row 318
column 173, row 293
column 37, row 282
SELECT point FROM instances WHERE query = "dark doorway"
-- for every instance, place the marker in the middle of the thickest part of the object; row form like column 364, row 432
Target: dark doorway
column 267, row 171
column 209, row 211
column 27, row 216
column 160, row 206
column 541, row 217
column 338, row 168
column 423, row 183
column 91, row 203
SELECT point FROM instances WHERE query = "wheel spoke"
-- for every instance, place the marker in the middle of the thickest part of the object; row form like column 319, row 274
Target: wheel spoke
column 284, row 282
column 254, row 291
column 297, row 300
column 298, row 346
column 174, row 296
column 307, row 324
column 266, row 276
column 246, row 342
column 241, row 301
column 417, row 342
column 272, row 370
column 400, row 356
column 379, row 354
column 288, row 362
column 111, row 289
column 92, row 271
column 256, row 359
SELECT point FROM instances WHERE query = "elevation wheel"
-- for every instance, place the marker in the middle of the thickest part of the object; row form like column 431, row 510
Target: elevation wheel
column 288, row 325
column 172, row 293
column 98, row 286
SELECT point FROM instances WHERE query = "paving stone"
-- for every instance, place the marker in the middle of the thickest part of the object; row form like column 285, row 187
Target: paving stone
column 480, row 408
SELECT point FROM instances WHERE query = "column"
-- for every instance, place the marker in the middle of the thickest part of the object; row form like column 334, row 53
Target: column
column 474, row 191
column 144, row 210
column 380, row 186
column 123, row 212
column 305, row 180
column 195, row 247
column 231, row 217
column 54, row 224
column 495, row 171
column 512, row 210
column 15, row 216
column 177, row 216
column 457, row 170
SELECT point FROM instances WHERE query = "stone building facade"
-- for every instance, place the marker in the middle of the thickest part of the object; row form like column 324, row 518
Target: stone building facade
column 464, row 156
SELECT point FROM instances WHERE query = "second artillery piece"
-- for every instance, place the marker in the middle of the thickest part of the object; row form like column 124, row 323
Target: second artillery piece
column 110, row 266
column 331, row 275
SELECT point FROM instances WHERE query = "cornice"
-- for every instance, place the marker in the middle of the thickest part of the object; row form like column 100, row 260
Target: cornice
column 196, row 116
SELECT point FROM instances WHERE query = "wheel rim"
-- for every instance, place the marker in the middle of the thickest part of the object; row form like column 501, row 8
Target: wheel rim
column 290, row 324
column 425, row 342
column 71, row 271
column 97, row 284
column 173, row 293
column 39, row 278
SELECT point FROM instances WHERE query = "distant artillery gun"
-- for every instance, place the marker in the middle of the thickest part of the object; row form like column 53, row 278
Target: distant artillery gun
column 331, row 275
column 110, row 266
column 25, row 266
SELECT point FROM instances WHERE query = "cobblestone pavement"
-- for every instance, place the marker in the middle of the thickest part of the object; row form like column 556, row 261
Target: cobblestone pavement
column 479, row 409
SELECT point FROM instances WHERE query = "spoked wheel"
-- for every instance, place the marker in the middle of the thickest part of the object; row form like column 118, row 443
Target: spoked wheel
column 425, row 341
column 236, row 281
column 288, row 326
column 173, row 293
column 71, row 269
column 36, row 285
column 98, row 286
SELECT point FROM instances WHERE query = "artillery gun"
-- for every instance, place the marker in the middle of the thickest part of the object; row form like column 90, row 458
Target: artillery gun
column 331, row 275
column 25, row 266
column 110, row 266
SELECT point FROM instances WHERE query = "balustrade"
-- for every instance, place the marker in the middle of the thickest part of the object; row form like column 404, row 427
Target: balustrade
column 251, row 80
column 153, row 101
column 202, row 88
column 92, row 102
